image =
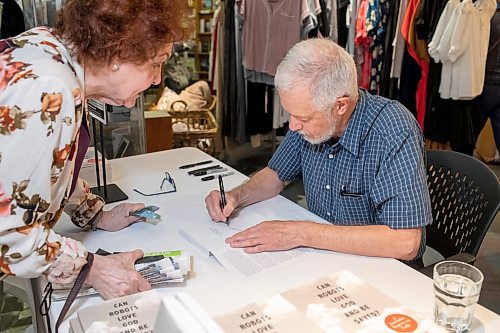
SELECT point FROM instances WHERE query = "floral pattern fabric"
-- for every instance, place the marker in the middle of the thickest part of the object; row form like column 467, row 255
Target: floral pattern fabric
column 40, row 116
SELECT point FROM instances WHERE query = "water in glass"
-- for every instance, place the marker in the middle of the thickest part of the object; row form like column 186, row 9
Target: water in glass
column 456, row 296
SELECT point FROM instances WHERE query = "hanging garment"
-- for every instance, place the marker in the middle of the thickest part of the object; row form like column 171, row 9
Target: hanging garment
column 270, row 29
column 460, row 43
column 260, row 98
column 388, row 87
column 489, row 100
column 428, row 18
column 469, row 47
column 398, row 43
column 311, row 21
column 331, row 13
column 347, row 16
column 230, row 94
column 362, row 43
column 376, row 27
column 218, row 82
column 411, row 75
column 406, row 29
column 280, row 116
column 12, row 19
column 241, row 111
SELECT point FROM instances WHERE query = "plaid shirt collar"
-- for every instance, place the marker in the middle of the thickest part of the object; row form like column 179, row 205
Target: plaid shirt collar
column 363, row 116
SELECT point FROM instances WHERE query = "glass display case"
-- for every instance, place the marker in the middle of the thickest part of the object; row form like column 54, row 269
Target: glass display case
column 124, row 133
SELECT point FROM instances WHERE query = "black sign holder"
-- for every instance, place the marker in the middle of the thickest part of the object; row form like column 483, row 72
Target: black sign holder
column 109, row 192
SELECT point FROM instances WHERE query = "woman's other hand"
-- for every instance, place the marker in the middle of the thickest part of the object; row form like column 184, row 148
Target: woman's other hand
column 115, row 275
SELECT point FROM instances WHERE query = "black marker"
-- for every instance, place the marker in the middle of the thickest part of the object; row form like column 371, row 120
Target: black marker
column 209, row 172
column 187, row 166
column 213, row 176
column 194, row 172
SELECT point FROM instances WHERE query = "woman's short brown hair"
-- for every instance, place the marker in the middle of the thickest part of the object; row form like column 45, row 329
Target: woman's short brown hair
column 101, row 31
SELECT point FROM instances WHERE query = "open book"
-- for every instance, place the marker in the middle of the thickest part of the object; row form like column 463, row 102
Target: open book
column 209, row 237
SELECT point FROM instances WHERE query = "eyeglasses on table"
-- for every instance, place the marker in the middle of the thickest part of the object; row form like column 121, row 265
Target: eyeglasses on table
column 163, row 186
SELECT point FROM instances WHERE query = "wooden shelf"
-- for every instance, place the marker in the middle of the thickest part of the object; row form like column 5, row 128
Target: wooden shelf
column 204, row 16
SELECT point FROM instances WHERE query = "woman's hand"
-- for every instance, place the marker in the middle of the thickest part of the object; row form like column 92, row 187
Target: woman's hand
column 115, row 275
column 118, row 217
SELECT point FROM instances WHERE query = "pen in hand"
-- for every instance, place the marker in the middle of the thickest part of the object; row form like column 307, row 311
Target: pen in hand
column 223, row 202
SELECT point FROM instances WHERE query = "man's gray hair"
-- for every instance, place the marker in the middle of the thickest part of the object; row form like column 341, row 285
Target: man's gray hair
column 324, row 66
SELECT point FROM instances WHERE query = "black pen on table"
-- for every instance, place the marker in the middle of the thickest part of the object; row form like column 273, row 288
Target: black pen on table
column 187, row 166
column 223, row 202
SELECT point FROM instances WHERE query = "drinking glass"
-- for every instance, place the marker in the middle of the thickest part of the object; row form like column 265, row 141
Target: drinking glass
column 456, row 286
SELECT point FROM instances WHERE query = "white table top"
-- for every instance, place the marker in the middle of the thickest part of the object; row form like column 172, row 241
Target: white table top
column 209, row 282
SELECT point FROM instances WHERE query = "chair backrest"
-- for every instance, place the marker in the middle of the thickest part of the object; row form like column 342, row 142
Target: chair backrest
column 465, row 198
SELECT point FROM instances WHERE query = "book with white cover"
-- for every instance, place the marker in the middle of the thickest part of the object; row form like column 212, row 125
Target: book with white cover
column 180, row 313
column 341, row 303
column 132, row 313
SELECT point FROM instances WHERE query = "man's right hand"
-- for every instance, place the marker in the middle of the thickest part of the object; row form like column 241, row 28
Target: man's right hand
column 115, row 275
column 212, row 202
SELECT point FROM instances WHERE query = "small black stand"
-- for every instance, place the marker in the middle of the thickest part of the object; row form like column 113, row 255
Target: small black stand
column 109, row 192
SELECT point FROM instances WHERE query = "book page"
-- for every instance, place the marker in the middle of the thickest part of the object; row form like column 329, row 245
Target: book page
column 210, row 238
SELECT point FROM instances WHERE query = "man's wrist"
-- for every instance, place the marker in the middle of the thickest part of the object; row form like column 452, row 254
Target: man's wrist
column 236, row 193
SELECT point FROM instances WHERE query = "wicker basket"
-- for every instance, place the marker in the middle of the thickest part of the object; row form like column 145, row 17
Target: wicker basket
column 193, row 128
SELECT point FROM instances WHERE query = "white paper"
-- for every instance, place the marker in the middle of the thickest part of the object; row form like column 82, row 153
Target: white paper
column 209, row 237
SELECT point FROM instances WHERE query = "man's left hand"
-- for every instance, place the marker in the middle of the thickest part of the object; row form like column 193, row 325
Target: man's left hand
column 118, row 217
column 269, row 236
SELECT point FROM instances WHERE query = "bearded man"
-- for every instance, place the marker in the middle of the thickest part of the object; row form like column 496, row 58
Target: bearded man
column 361, row 158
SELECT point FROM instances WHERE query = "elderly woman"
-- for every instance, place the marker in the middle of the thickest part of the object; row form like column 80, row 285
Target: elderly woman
column 110, row 50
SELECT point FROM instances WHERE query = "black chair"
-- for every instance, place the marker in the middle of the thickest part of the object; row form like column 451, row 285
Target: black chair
column 465, row 198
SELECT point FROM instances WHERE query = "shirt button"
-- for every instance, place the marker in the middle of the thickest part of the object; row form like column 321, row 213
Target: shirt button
column 327, row 187
column 328, row 213
column 330, row 156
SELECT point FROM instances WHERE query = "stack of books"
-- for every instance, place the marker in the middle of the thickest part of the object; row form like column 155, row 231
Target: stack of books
column 155, row 267
column 145, row 312
column 132, row 313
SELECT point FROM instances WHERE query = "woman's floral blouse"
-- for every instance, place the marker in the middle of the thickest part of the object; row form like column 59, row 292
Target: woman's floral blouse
column 40, row 116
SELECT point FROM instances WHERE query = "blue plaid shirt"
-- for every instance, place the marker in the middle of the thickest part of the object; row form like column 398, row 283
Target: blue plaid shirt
column 375, row 174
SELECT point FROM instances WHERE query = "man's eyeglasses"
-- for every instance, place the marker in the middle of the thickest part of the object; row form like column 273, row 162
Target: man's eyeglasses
column 167, row 186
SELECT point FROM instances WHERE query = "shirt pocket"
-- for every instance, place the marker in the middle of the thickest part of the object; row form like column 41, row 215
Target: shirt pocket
column 356, row 210
column 287, row 16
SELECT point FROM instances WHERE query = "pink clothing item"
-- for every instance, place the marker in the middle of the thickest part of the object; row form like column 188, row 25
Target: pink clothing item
column 421, row 94
column 363, row 42
column 270, row 29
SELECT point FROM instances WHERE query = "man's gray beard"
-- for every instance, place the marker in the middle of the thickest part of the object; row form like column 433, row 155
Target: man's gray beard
column 328, row 135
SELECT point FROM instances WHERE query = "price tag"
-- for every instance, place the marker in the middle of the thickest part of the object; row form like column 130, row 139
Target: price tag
column 97, row 110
